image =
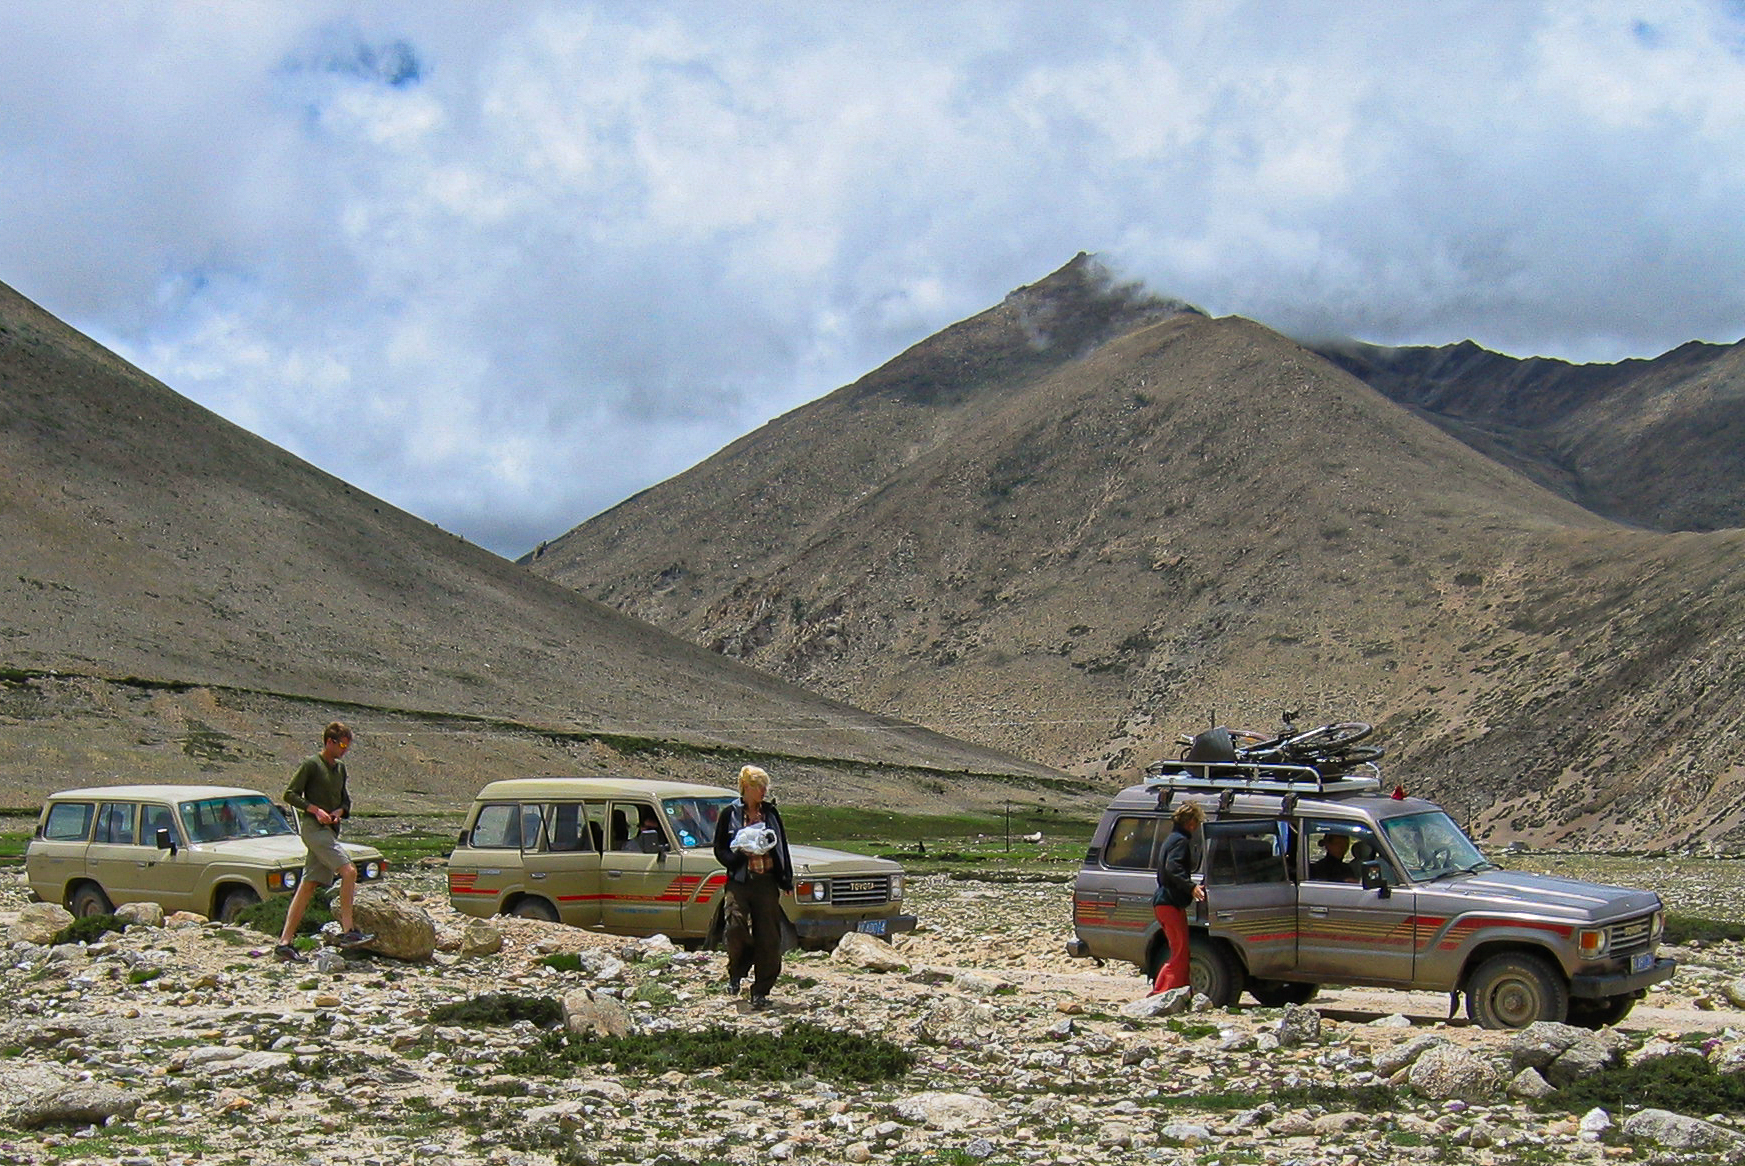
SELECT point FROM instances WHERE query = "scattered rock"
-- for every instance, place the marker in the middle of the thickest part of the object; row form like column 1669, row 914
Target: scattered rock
column 868, row 954
column 39, row 923
column 946, row 1111
column 482, row 937
column 403, row 930
column 585, row 1011
column 1449, row 1072
column 1658, row 1127
column 79, row 1103
column 141, row 914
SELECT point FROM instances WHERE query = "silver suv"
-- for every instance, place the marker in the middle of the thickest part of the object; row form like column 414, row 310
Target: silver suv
column 204, row 848
column 1311, row 881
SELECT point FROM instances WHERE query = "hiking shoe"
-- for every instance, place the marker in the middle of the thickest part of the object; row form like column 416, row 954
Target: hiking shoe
column 354, row 938
column 286, row 954
column 733, row 985
column 759, row 1003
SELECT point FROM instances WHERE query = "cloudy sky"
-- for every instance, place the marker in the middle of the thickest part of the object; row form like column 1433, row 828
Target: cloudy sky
column 506, row 264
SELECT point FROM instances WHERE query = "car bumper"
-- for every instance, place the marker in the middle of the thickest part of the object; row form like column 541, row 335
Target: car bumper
column 1591, row 987
column 837, row 928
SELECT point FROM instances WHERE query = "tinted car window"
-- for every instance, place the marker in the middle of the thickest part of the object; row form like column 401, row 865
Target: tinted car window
column 1246, row 852
column 1132, row 842
column 68, row 821
column 498, row 827
column 693, row 819
column 115, row 823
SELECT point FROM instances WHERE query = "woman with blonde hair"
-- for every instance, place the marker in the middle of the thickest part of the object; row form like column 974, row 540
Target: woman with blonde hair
column 1176, row 892
column 752, row 844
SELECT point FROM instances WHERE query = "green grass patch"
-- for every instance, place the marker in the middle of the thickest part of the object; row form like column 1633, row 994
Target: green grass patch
column 143, row 975
column 12, row 846
column 563, row 961
column 268, row 916
column 800, row 1050
column 498, row 1008
column 1681, row 1082
column 1687, row 928
column 408, row 847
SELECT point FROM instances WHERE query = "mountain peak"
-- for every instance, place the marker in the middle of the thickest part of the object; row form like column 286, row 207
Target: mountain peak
column 1037, row 328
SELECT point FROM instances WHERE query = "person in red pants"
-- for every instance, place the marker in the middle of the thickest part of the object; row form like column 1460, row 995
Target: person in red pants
column 1176, row 892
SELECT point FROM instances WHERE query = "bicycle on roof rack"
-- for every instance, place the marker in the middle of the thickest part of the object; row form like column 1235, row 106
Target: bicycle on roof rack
column 1329, row 748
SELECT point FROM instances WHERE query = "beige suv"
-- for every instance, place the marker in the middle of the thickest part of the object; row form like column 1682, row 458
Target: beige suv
column 636, row 858
column 210, row 849
column 1311, row 881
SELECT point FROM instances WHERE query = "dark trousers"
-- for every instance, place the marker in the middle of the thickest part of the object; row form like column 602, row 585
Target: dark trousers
column 754, row 931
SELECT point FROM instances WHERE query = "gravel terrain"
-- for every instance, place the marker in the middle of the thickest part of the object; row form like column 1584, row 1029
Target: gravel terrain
column 203, row 1050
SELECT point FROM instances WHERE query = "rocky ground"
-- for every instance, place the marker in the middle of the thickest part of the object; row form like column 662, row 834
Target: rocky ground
column 200, row 1048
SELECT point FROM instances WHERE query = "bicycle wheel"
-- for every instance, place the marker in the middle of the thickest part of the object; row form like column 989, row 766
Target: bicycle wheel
column 1328, row 738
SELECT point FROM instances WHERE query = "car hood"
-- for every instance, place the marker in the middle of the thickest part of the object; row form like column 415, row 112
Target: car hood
column 821, row 860
column 1554, row 895
column 279, row 849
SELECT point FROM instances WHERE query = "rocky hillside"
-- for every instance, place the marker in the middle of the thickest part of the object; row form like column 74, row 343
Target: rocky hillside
column 1175, row 518
column 184, row 600
column 1653, row 443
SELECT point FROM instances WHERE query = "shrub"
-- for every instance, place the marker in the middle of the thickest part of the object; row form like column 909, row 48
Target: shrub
column 89, row 928
column 800, row 1050
column 499, row 1008
column 268, row 916
column 1681, row 1082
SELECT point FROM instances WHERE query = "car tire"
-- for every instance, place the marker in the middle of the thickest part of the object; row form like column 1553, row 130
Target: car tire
column 89, row 899
column 1278, row 993
column 534, row 908
column 1600, row 1013
column 1515, row 989
column 234, row 902
column 1211, row 972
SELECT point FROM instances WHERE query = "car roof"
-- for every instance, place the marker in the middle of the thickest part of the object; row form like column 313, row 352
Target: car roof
column 1144, row 798
column 153, row 793
column 523, row 788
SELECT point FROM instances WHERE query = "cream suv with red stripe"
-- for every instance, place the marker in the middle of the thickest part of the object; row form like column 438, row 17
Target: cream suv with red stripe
column 635, row 857
column 1312, row 881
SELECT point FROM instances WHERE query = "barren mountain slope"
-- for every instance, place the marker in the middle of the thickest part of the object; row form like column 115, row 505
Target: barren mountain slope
column 182, row 597
column 1199, row 517
column 1655, row 443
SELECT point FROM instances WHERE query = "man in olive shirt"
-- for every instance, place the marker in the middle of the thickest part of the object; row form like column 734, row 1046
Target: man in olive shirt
column 318, row 790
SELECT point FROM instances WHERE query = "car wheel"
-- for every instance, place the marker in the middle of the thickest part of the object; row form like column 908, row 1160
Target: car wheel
column 1278, row 993
column 1599, row 1013
column 1211, row 974
column 235, row 902
column 89, row 899
column 531, row 908
column 1515, row 989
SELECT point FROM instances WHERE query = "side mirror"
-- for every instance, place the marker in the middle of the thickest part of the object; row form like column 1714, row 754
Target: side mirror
column 1375, row 880
column 164, row 841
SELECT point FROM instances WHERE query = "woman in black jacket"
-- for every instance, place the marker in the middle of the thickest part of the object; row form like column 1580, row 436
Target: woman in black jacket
column 1176, row 892
column 752, row 844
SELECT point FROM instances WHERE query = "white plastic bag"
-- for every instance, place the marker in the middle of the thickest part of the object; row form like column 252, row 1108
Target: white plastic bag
column 756, row 839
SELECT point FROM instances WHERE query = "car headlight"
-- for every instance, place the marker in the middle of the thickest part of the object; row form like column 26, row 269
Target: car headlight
column 1591, row 942
column 813, row 889
column 282, row 880
column 896, row 886
column 1657, row 927
column 371, row 870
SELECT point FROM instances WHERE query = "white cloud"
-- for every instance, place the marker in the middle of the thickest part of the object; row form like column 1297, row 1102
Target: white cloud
column 549, row 253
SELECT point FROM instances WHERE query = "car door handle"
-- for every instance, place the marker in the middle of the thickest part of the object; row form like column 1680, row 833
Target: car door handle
column 1318, row 912
column 1223, row 916
column 614, row 874
column 537, row 875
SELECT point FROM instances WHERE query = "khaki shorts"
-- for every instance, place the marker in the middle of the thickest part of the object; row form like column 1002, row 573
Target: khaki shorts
column 326, row 856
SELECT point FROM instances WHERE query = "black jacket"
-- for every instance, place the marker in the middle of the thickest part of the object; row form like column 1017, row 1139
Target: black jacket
column 1175, row 882
column 732, row 820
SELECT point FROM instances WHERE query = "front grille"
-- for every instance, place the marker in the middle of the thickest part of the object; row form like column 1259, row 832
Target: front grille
column 1630, row 936
column 864, row 892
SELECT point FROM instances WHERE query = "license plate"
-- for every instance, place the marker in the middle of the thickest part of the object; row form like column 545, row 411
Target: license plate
column 1641, row 961
column 871, row 926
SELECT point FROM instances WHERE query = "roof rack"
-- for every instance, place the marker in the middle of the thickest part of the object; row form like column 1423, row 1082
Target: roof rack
column 1237, row 777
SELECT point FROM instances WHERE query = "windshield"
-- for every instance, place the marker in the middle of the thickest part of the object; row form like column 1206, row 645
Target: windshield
column 223, row 819
column 693, row 819
column 1430, row 845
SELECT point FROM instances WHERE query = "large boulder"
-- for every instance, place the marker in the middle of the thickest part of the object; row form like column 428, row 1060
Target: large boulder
column 81, row 1103
column 1451, row 1073
column 588, row 1012
column 946, row 1111
column 1675, row 1131
column 1562, row 1052
column 402, row 929
column 141, row 914
column 868, row 954
column 39, row 923
column 481, row 937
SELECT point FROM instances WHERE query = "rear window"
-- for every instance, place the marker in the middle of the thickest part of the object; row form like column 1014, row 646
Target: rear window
column 68, row 821
column 1246, row 852
column 1132, row 843
column 507, row 826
